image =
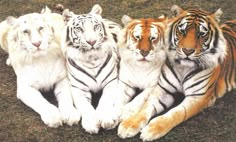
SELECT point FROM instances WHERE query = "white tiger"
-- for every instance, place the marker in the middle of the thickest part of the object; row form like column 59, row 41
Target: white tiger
column 32, row 42
column 91, row 54
column 141, row 50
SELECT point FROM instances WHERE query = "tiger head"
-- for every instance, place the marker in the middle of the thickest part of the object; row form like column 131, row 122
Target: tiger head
column 30, row 34
column 195, row 39
column 86, row 31
column 142, row 40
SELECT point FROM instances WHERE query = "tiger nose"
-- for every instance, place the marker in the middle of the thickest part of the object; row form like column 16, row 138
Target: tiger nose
column 144, row 53
column 188, row 51
column 91, row 42
column 37, row 44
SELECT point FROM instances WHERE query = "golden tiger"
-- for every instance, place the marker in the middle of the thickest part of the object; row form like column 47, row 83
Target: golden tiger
column 142, row 54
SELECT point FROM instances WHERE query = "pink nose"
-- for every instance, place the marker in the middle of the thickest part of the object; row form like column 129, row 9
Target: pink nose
column 37, row 44
column 91, row 42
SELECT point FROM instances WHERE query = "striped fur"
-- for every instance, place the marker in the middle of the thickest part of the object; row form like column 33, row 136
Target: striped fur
column 91, row 55
column 141, row 50
column 200, row 68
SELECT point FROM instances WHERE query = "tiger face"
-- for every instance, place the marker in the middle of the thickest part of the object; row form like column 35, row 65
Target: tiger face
column 142, row 39
column 30, row 33
column 195, row 38
column 85, row 32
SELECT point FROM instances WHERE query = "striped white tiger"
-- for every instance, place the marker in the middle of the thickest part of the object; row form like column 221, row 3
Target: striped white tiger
column 32, row 42
column 91, row 57
column 142, row 54
column 200, row 68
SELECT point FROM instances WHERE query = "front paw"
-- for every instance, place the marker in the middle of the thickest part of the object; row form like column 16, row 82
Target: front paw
column 52, row 117
column 131, row 127
column 128, row 111
column 108, row 118
column 70, row 116
column 90, row 124
column 157, row 128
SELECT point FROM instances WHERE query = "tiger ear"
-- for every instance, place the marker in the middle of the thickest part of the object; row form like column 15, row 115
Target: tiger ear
column 126, row 19
column 162, row 18
column 11, row 20
column 176, row 10
column 46, row 10
column 97, row 9
column 67, row 15
column 217, row 14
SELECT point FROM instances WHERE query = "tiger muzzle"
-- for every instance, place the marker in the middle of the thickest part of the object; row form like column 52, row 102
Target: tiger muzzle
column 188, row 51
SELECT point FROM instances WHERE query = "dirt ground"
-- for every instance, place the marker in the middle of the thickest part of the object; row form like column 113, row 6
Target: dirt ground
column 20, row 123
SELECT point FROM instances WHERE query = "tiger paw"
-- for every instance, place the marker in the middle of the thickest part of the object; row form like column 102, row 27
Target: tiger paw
column 90, row 124
column 130, row 127
column 155, row 130
column 108, row 119
column 70, row 116
column 52, row 117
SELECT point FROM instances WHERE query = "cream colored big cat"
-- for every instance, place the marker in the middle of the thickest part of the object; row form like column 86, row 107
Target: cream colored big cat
column 141, row 50
column 32, row 42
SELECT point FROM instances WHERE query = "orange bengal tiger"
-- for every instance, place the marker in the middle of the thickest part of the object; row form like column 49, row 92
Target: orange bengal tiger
column 200, row 67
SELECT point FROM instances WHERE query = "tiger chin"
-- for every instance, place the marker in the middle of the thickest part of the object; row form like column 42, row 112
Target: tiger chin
column 142, row 54
column 92, row 63
column 33, row 44
column 200, row 67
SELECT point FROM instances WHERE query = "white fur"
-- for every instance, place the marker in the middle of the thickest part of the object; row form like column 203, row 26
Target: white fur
column 41, row 68
column 91, row 58
column 135, row 72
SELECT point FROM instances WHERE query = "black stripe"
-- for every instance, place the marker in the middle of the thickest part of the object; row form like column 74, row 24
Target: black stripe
column 230, row 54
column 166, row 90
column 173, row 25
column 110, row 81
column 172, row 70
column 200, row 94
column 104, row 64
column 79, row 88
column 197, row 83
column 164, row 76
column 163, row 105
column 191, row 74
column 80, row 69
column 115, row 37
column 105, row 33
column 215, row 43
column 111, row 71
column 78, row 80
column 126, row 84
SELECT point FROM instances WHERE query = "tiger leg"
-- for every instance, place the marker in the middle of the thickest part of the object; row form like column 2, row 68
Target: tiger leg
column 152, row 105
column 69, row 114
column 161, row 125
column 132, row 126
column 135, row 105
column 30, row 96
column 82, row 101
column 107, row 115
column 124, row 94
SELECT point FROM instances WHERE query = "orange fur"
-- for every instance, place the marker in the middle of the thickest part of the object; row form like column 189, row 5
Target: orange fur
column 218, row 76
column 221, row 81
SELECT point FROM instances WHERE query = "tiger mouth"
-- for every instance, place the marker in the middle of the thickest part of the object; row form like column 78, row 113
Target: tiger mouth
column 186, row 59
column 143, row 60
